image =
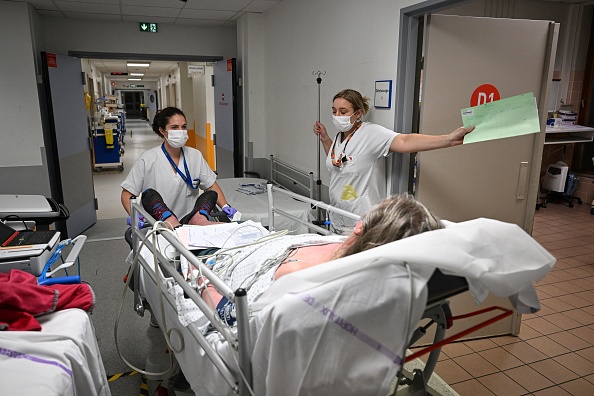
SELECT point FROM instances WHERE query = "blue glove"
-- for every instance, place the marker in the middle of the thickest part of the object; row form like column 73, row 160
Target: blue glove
column 141, row 221
column 229, row 211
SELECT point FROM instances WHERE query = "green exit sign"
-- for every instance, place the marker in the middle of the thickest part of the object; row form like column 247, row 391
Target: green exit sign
column 136, row 85
column 148, row 27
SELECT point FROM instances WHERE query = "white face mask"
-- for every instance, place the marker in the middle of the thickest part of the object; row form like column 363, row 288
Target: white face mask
column 177, row 137
column 343, row 123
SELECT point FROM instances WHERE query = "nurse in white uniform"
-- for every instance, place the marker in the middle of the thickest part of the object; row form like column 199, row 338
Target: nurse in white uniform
column 176, row 172
column 354, row 151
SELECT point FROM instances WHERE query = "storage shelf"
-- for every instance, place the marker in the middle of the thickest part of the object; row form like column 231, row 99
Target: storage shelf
column 569, row 134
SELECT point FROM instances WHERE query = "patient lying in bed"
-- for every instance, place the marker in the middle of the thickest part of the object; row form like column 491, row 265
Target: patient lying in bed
column 397, row 217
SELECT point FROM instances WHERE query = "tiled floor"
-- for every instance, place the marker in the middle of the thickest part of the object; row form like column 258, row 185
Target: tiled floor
column 554, row 353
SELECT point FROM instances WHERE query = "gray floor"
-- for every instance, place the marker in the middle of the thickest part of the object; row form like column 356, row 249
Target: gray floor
column 103, row 266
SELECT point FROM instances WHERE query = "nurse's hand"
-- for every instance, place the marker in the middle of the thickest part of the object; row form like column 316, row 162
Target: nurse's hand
column 141, row 221
column 229, row 211
column 457, row 136
column 320, row 130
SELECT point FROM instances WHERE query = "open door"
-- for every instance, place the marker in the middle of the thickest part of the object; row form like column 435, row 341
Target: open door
column 228, row 139
column 470, row 61
column 68, row 143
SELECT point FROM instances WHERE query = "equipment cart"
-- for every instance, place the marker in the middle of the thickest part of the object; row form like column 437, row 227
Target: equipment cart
column 107, row 144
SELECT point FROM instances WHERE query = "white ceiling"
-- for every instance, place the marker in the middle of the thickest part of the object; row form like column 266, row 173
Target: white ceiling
column 209, row 13
column 152, row 73
column 205, row 13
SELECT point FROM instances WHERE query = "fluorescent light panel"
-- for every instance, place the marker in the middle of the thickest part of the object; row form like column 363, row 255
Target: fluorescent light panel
column 135, row 79
column 138, row 64
column 137, row 74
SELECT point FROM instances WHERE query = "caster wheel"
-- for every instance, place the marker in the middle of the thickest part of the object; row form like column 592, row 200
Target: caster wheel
column 571, row 205
column 121, row 167
column 579, row 201
column 592, row 211
column 97, row 169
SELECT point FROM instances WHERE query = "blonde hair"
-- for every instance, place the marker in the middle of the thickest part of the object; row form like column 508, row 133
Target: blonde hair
column 358, row 101
column 396, row 217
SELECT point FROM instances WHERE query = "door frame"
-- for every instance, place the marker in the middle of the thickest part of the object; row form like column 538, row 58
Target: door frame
column 406, row 111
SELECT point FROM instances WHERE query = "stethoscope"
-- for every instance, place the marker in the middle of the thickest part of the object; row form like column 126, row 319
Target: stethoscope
column 193, row 184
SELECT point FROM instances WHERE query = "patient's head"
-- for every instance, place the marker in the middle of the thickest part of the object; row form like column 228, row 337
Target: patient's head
column 396, row 217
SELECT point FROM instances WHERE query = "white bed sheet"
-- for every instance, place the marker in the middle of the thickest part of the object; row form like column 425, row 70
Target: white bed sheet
column 255, row 207
column 302, row 329
column 63, row 359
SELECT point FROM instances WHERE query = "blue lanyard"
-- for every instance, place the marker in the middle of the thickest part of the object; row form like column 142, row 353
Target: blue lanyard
column 186, row 178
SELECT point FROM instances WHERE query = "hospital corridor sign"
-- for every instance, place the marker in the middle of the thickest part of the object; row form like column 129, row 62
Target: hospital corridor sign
column 148, row 27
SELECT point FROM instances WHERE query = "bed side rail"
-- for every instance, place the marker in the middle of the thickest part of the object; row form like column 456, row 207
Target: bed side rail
column 240, row 342
column 319, row 204
column 282, row 170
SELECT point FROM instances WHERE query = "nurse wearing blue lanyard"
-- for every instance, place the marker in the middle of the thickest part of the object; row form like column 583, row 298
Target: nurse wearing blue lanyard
column 353, row 154
column 175, row 171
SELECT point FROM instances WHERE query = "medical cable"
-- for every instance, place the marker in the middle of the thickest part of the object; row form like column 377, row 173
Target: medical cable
column 17, row 217
column 152, row 232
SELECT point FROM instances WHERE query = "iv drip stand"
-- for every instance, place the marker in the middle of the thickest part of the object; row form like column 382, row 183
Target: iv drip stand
column 319, row 181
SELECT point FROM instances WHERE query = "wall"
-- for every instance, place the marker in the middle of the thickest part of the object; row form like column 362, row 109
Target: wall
column 22, row 149
column 63, row 35
column 354, row 42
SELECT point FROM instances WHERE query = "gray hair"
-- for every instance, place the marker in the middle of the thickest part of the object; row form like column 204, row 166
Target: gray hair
column 396, row 217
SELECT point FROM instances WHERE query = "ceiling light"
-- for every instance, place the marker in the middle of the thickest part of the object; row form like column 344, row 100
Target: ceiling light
column 138, row 64
column 135, row 79
column 137, row 74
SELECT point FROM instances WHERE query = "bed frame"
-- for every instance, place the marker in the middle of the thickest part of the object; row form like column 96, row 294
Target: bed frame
column 437, row 305
column 284, row 170
column 240, row 342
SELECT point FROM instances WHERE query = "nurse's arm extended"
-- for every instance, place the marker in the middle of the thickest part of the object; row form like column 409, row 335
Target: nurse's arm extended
column 414, row 142
column 221, row 200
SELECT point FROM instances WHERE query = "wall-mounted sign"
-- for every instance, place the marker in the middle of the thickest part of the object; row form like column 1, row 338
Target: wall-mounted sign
column 136, row 86
column 119, row 73
column 113, row 83
column 148, row 27
column 195, row 69
column 51, row 59
column 383, row 94
column 484, row 94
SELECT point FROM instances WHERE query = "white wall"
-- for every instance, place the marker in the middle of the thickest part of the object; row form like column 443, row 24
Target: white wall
column 355, row 42
column 199, row 98
column 63, row 35
column 20, row 125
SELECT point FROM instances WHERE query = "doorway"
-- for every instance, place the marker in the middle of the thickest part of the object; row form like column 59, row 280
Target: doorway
column 132, row 102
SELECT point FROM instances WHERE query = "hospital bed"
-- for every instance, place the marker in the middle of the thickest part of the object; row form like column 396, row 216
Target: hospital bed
column 248, row 196
column 62, row 359
column 342, row 327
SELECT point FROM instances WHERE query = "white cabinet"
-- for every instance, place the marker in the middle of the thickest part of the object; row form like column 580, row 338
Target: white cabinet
column 568, row 134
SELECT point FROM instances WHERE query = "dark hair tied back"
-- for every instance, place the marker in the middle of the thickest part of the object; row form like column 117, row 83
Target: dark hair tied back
column 162, row 118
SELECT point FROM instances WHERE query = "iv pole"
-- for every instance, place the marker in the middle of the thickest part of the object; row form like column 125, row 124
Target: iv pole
column 319, row 181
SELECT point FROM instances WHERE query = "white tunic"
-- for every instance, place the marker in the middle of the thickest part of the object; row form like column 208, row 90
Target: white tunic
column 354, row 186
column 153, row 170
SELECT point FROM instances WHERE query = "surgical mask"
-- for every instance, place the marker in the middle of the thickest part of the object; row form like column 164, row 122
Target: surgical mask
column 342, row 123
column 177, row 137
